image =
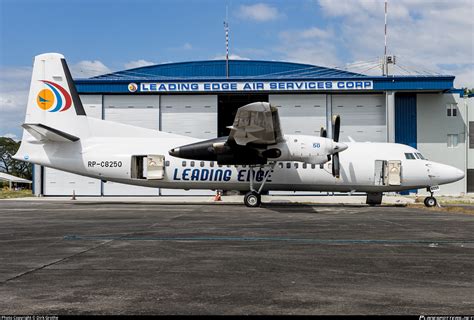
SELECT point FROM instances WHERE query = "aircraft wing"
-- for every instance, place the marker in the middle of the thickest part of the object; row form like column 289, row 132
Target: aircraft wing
column 258, row 123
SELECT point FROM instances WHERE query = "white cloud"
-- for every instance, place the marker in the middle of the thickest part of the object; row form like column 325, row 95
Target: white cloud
column 311, row 45
column 138, row 64
column 424, row 35
column 259, row 12
column 231, row 57
column 14, row 87
column 89, row 68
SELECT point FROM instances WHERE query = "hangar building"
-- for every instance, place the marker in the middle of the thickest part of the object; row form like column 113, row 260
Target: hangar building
column 200, row 99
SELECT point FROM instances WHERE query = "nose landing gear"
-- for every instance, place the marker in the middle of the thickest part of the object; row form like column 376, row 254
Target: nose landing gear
column 431, row 201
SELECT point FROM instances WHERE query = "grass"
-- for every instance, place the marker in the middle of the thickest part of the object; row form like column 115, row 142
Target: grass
column 5, row 193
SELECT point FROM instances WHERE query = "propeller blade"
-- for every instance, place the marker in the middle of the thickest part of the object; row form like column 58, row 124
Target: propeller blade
column 336, row 169
column 336, row 127
column 323, row 133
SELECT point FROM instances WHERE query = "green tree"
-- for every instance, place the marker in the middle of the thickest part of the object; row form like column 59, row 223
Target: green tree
column 8, row 148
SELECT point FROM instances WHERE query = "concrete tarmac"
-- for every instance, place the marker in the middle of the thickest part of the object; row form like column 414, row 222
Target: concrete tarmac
column 150, row 258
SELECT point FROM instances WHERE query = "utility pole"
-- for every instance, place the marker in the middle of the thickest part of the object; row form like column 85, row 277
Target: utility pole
column 226, row 28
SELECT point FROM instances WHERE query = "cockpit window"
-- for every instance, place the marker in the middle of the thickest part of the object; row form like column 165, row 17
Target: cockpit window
column 420, row 156
column 409, row 156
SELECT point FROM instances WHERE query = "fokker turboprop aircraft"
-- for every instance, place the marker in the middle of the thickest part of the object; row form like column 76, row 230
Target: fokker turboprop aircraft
column 256, row 157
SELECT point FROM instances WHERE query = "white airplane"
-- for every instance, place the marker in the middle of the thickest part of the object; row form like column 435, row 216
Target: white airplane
column 255, row 158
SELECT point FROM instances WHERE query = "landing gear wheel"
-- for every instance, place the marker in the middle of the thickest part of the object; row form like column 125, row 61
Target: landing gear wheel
column 430, row 202
column 252, row 199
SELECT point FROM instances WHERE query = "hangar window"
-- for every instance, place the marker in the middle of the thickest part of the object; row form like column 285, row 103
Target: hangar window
column 452, row 140
column 452, row 110
column 317, row 106
column 410, row 156
column 297, row 106
column 183, row 163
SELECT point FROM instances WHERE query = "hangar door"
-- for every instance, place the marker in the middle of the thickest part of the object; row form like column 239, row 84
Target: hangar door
column 189, row 115
column 362, row 116
column 60, row 183
column 300, row 113
column 141, row 111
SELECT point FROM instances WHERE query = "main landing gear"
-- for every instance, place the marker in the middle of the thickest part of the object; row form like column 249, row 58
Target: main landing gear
column 253, row 198
column 431, row 201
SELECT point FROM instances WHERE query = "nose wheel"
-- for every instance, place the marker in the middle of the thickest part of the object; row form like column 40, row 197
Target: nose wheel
column 430, row 201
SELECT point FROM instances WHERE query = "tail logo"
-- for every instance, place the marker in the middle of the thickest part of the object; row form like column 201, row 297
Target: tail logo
column 54, row 98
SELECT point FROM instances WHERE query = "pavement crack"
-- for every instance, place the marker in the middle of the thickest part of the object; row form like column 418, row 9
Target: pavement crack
column 54, row 262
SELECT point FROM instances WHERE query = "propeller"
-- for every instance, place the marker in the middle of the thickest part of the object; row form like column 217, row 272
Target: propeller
column 336, row 128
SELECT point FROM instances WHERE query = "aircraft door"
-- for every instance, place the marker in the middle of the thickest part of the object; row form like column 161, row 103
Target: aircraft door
column 379, row 173
column 387, row 172
column 150, row 167
column 155, row 168
column 394, row 172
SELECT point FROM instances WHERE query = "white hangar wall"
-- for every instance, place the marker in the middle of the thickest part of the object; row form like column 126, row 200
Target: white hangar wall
column 442, row 134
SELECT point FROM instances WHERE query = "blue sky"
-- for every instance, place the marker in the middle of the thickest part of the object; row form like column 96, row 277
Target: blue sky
column 107, row 35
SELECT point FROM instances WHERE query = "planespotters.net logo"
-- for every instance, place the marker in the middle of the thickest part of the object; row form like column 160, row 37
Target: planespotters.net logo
column 443, row 317
column 132, row 87
column 53, row 98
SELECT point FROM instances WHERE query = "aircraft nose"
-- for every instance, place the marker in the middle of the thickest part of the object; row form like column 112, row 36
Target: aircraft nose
column 339, row 146
column 447, row 174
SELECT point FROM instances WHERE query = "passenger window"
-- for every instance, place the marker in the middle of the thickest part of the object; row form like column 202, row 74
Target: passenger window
column 409, row 156
column 305, row 165
column 296, row 165
column 280, row 165
column 167, row 163
column 183, row 163
column 192, row 163
column 288, row 165
column 313, row 166
column 212, row 164
column 244, row 166
column 202, row 164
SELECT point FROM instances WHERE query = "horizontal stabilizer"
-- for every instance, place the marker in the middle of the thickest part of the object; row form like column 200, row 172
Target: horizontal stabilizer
column 44, row 133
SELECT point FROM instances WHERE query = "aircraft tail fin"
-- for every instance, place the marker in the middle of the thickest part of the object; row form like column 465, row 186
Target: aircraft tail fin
column 53, row 100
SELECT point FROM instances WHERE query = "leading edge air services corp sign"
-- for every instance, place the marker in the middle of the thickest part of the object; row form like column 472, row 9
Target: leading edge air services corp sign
column 250, row 86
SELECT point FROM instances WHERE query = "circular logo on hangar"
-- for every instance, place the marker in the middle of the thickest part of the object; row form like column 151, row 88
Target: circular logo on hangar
column 132, row 87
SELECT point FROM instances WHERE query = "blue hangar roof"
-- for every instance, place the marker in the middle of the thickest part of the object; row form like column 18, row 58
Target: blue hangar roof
column 310, row 77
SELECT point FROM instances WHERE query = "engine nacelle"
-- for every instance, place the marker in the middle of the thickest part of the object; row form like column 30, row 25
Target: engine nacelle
column 309, row 149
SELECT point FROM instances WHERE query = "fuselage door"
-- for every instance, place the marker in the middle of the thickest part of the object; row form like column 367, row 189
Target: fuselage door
column 155, row 168
column 394, row 172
